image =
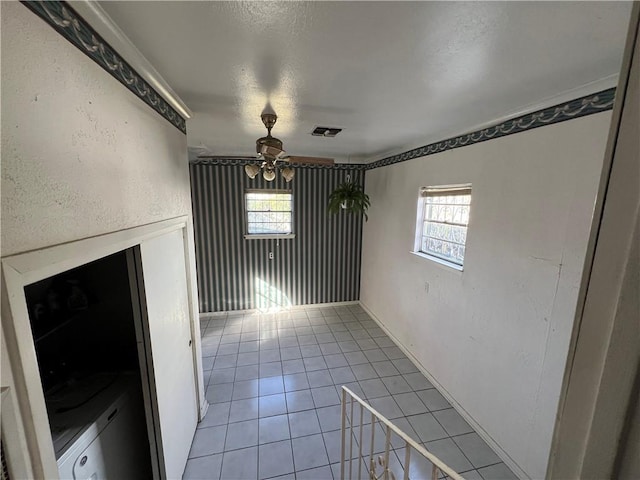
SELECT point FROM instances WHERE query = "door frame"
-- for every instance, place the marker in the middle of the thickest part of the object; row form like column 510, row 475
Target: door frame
column 23, row 269
column 603, row 354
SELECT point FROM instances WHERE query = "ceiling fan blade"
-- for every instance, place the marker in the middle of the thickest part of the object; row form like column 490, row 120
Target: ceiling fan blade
column 201, row 149
column 227, row 157
column 273, row 152
column 310, row 160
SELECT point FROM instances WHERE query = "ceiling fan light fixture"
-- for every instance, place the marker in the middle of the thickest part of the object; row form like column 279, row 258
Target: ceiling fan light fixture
column 252, row 170
column 288, row 173
column 269, row 175
column 270, row 154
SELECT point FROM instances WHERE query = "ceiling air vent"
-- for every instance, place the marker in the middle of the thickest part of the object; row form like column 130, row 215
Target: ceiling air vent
column 325, row 131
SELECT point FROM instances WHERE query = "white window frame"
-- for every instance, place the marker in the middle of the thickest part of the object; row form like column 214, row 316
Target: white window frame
column 424, row 193
column 260, row 236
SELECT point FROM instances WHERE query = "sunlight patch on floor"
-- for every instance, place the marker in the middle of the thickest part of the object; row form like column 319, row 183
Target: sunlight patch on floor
column 270, row 299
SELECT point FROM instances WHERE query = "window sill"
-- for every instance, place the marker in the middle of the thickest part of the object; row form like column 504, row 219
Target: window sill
column 269, row 236
column 439, row 261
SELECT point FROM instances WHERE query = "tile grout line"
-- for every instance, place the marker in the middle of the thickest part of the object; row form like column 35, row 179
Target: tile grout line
column 328, row 369
column 293, row 457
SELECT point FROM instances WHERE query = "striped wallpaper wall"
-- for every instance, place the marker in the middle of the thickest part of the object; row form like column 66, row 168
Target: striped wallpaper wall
column 321, row 264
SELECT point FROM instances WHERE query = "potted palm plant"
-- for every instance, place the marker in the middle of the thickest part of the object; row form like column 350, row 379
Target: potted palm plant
column 350, row 197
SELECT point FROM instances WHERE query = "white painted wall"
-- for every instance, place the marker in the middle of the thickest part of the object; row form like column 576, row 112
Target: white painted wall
column 81, row 155
column 495, row 336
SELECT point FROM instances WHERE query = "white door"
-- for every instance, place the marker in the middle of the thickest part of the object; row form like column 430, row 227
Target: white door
column 171, row 361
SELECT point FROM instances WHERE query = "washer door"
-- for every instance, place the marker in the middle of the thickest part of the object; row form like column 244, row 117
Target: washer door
column 90, row 464
column 116, row 452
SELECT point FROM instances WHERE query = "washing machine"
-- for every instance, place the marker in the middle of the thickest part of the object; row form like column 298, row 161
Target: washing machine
column 99, row 430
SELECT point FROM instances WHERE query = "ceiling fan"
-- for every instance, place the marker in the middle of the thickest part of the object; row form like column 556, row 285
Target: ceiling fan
column 270, row 152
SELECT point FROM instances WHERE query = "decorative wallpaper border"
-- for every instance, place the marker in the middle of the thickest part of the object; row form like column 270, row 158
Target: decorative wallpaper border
column 580, row 107
column 64, row 19
column 232, row 162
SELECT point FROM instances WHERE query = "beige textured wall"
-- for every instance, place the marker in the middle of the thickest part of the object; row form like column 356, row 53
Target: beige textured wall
column 495, row 336
column 81, row 155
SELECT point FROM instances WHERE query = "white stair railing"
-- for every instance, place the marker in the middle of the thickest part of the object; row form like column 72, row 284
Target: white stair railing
column 379, row 461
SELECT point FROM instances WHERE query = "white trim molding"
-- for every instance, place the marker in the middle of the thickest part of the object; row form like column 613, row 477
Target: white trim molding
column 17, row 340
column 104, row 25
column 599, row 384
column 292, row 308
column 561, row 98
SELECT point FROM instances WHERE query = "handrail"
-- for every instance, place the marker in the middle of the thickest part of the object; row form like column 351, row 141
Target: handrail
column 437, row 463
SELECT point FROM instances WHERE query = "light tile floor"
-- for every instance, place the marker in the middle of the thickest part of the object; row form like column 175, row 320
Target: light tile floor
column 273, row 384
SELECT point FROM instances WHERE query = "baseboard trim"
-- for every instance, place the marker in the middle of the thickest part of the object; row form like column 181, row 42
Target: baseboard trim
column 320, row 305
column 204, row 408
column 504, row 456
column 293, row 307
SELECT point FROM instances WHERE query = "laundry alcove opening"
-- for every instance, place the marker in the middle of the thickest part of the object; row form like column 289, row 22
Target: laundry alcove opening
column 84, row 330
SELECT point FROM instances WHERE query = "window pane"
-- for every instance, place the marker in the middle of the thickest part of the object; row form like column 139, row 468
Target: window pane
column 443, row 229
column 451, row 233
column 269, row 213
column 446, row 213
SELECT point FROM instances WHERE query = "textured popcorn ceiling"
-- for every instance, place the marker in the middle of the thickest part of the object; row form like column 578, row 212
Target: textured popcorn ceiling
column 394, row 75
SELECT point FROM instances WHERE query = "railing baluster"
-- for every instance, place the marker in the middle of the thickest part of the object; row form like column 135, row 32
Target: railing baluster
column 372, row 460
column 351, row 441
column 434, row 472
column 360, row 443
column 387, row 444
column 343, row 423
column 407, row 459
